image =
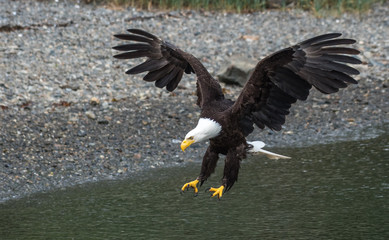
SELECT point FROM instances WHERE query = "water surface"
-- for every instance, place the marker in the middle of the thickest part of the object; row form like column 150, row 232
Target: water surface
column 335, row 191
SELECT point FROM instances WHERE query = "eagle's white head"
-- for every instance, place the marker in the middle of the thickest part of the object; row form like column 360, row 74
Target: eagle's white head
column 206, row 128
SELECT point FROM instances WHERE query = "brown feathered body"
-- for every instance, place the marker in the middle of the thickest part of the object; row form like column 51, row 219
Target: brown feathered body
column 277, row 82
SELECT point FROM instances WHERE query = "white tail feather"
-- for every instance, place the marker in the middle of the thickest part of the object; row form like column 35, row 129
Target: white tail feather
column 257, row 148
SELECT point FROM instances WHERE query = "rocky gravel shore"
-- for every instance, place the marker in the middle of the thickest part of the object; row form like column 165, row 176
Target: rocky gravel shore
column 69, row 114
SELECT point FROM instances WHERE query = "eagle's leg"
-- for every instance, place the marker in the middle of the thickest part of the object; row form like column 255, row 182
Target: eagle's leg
column 231, row 171
column 207, row 168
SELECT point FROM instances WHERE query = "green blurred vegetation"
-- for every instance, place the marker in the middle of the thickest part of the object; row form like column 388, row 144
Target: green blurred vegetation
column 246, row 6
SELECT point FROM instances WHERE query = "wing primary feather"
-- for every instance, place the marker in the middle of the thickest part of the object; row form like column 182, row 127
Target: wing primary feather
column 131, row 37
column 162, row 82
column 341, row 58
column 319, row 38
column 149, row 65
column 333, row 82
column 334, row 42
column 174, row 82
column 333, row 66
column 144, row 33
column 324, row 88
column 133, row 54
column 157, row 74
column 330, row 74
column 131, row 47
column 341, row 76
column 320, row 83
column 342, row 50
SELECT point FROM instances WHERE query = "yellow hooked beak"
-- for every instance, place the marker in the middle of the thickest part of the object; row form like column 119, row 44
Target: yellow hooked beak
column 186, row 143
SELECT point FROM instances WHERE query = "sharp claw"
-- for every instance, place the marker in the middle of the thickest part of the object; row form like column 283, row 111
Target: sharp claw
column 192, row 184
column 185, row 187
column 217, row 191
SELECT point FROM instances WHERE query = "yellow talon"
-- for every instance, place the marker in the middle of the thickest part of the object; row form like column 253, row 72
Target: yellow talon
column 192, row 184
column 217, row 191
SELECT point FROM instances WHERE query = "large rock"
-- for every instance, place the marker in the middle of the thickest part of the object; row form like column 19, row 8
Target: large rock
column 238, row 72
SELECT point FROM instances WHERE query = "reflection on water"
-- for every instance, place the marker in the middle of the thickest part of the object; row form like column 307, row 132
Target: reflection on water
column 337, row 191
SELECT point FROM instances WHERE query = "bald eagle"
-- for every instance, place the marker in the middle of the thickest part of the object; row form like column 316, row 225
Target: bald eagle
column 278, row 81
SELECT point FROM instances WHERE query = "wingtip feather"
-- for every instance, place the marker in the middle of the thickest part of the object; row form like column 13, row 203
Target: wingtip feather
column 142, row 32
column 320, row 38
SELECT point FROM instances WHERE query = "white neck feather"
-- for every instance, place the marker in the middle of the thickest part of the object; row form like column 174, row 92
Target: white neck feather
column 206, row 128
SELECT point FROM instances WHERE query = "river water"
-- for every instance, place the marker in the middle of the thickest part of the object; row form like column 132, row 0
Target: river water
column 333, row 191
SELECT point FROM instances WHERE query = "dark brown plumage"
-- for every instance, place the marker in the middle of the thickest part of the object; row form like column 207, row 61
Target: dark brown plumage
column 277, row 82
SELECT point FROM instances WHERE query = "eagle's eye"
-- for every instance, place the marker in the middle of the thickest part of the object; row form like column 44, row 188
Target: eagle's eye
column 190, row 138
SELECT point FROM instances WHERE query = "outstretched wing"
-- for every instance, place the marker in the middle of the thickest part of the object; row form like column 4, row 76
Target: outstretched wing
column 166, row 64
column 287, row 75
